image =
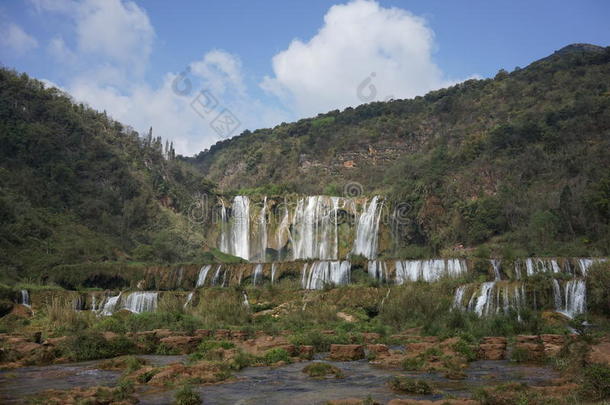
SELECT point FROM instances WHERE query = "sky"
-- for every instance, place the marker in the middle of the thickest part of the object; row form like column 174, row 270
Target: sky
column 202, row 71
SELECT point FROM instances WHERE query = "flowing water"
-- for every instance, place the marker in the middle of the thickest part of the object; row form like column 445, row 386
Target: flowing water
column 266, row 385
column 572, row 299
column 203, row 274
column 428, row 270
column 318, row 274
column 367, row 230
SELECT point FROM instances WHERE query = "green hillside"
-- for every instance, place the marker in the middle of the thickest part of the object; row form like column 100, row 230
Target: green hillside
column 520, row 161
column 76, row 186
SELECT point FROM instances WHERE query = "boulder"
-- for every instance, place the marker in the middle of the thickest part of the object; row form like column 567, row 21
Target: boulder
column 377, row 349
column 371, row 337
column 182, row 344
column 306, row 352
column 599, row 353
column 222, row 334
column 346, row 352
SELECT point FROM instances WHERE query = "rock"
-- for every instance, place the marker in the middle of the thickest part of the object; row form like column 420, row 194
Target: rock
column 552, row 344
column 493, row 348
column 599, row 354
column 262, row 344
column 110, row 335
column 351, row 401
column 202, row 333
column 346, row 352
column 21, row 311
column 161, row 333
column 54, row 341
column 222, row 334
column 377, row 349
column 182, row 344
column 490, row 351
column 418, row 347
column 370, row 337
column 306, row 352
column 527, row 339
column 239, row 335
column 203, row 372
column 346, row 317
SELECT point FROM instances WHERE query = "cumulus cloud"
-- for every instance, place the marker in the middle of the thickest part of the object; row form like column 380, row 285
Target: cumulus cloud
column 16, row 39
column 362, row 53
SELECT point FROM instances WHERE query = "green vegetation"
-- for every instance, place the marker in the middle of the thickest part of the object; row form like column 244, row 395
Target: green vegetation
column 76, row 186
column 185, row 395
column 518, row 162
column 322, row 370
column 409, row 385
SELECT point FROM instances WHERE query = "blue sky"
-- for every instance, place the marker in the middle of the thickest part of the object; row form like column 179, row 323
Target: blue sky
column 264, row 62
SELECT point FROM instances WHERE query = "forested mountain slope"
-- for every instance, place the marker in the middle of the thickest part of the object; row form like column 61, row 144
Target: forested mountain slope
column 524, row 156
column 76, row 186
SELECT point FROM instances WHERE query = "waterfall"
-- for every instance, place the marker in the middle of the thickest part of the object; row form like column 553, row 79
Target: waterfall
column 25, row 298
column 79, row 303
column 315, row 233
column 482, row 306
column 459, row 297
column 378, row 270
column 319, row 273
column 557, row 295
column 216, row 278
column 585, row 263
column 245, row 302
column 189, row 298
column 203, row 273
column 428, row 270
column 141, row 301
column 534, row 265
column 111, row 304
column 258, row 272
column 573, row 301
column 273, row 268
column 235, row 233
column 262, row 232
column 495, row 264
column 283, row 230
column 367, row 230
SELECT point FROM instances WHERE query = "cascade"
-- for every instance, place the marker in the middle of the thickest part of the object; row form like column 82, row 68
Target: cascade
column 428, row 270
column 584, row 264
column 482, row 305
column 245, row 302
column 25, row 298
column 273, row 268
column 283, row 229
column 367, row 230
column 189, row 298
column 315, row 233
column 79, row 303
column 217, row 274
column 459, row 297
column 573, row 300
column 495, row 264
column 110, row 305
column 491, row 298
column 258, row 272
column 262, row 232
column 378, row 270
column 203, row 273
column 320, row 273
column 141, row 301
column 235, row 235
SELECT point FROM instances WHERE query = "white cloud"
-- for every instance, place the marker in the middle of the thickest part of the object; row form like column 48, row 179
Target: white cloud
column 360, row 40
column 15, row 38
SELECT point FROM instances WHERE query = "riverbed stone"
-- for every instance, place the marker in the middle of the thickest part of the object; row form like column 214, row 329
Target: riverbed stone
column 306, row 352
column 346, row 352
column 182, row 344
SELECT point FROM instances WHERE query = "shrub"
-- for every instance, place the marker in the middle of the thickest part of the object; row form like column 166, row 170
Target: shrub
column 466, row 350
column 321, row 370
column 598, row 294
column 186, row 396
column 92, row 345
column 276, row 355
column 596, row 385
column 409, row 385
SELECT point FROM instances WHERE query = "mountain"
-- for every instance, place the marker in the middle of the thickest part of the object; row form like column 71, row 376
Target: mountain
column 76, row 186
column 520, row 159
column 514, row 165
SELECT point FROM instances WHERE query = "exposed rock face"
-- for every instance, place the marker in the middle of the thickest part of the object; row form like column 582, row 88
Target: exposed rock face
column 205, row 372
column 306, row 352
column 261, row 344
column 532, row 345
column 377, row 349
column 600, row 353
column 492, row 348
column 346, row 352
column 181, row 344
column 552, row 344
